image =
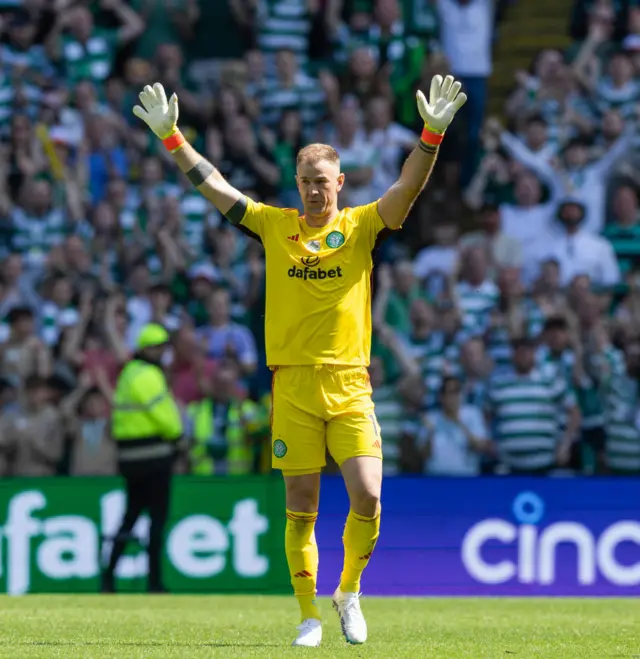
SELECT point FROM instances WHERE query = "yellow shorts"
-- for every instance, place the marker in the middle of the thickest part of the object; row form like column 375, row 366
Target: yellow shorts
column 321, row 407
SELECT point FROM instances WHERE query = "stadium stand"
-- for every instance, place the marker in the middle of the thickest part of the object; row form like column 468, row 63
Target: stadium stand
column 523, row 252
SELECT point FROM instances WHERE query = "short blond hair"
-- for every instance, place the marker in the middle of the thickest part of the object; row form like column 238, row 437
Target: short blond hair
column 314, row 153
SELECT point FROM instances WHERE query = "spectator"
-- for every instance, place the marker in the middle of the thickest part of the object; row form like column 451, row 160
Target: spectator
column 246, row 163
column 358, row 157
column 85, row 50
column 86, row 411
column 467, row 35
column 31, row 438
column 622, row 445
column 456, row 435
column 226, row 339
column 624, row 231
column 523, row 408
column 291, row 90
column 390, row 415
column 189, row 365
column 501, row 250
column 577, row 250
column 23, row 354
column 220, row 442
column 477, row 294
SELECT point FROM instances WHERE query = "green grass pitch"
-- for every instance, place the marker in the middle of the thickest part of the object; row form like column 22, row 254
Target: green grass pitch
column 132, row 626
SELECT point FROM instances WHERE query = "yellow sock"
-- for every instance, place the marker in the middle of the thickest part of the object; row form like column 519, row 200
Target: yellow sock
column 359, row 539
column 302, row 557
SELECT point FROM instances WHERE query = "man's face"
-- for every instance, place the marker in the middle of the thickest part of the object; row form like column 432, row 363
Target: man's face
column 524, row 358
column 379, row 112
column 421, row 315
column 286, row 64
column 557, row 339
column 23, row 328
column 472, row 357
column 536, row 134
column 82, row 24
column 319, row 184
column 571, row 215
column 362, row 63
column 528, row 192
column 160, row 300
column 404, row 277
column 476, row 264
column 218, row 306
column 625, row 203
column 387, row 12
column 23, row 34
column 151, row 171
column 225, row 381
column 38, row 197
column 490, row 221
column 95, row 406
column 577, row 156
column 632, row 358
column 12, row 268
column 37, row 396
column 612, row 125
column 621, row 69
column 450, row 397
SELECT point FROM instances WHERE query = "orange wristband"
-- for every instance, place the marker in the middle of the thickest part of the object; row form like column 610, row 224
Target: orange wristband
column 174, row 142
column 431, row 138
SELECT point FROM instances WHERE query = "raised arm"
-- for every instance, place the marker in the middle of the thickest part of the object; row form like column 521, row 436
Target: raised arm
column 162, row 117
column 445, row 99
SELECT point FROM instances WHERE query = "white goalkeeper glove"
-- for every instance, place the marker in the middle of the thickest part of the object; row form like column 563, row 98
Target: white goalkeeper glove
column 445, row 99
column 158, row 113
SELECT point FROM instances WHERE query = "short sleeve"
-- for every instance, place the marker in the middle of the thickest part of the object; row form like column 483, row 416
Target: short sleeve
column 370, row 224
column 254, row 220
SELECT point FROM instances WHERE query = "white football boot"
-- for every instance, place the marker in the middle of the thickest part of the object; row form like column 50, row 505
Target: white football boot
column 310, row 634
column 352, row 622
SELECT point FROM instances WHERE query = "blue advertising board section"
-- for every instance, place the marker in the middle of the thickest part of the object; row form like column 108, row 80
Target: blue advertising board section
column 493, row 537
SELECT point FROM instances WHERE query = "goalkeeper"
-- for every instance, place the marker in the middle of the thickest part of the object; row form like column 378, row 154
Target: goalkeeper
column 318, row 335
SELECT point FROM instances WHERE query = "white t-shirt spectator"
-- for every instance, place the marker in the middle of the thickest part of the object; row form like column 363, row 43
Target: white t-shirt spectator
column 466, row 34
column 450, row 452
column 579, row 254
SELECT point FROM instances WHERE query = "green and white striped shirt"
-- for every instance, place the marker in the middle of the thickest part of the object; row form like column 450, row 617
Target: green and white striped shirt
column 283, row 24
column 305, row 95
column 92, row 60
column 33, row 237
column 197, row 217
column 525, row 411
column 476, row 304
column 53, row 320
column 622, row 446
column 389, row 412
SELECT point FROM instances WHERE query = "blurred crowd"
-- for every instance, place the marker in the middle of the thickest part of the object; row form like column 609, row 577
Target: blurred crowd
column 505, row 312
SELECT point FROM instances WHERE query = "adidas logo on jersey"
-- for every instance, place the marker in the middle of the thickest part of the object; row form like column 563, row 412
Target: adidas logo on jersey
column 295, row 237
column 314, row 273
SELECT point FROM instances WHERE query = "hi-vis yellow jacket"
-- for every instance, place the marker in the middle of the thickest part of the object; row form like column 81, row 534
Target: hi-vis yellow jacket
column 146, row 421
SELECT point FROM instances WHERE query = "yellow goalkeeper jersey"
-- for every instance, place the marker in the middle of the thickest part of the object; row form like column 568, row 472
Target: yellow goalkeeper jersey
column 318, row 279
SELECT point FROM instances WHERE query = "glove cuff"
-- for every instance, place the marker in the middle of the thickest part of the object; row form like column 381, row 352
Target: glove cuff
column 431, row 137
column 174, row 142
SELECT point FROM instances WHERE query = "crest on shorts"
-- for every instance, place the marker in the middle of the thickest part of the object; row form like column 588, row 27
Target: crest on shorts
column 335, row 239
column 279, row 448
